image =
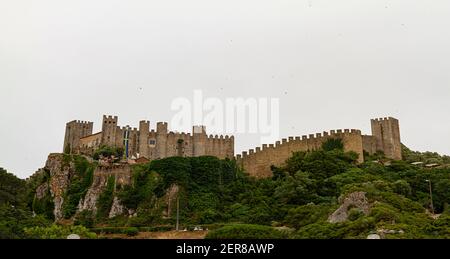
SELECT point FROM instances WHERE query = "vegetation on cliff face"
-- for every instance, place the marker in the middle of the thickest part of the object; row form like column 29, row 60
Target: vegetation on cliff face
column 299, row 197
column 105, row 200
column 79, row 184
column 107, row 151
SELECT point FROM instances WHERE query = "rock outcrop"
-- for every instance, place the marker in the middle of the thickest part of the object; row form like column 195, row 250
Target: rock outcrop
column 353, row 200
column 89, row 202
column 42, row 190
column 116, row 209
column 170, row 199
column 60, row 172
column 61, row 169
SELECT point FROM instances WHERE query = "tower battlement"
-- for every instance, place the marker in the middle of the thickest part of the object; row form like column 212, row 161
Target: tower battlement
column 384, row 119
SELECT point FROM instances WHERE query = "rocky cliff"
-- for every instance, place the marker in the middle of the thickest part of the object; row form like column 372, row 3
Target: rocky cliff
column 68, row 175
column 60, row 171
column 76, row 183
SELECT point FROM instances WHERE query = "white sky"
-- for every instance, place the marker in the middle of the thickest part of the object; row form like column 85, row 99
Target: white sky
column 340, row 63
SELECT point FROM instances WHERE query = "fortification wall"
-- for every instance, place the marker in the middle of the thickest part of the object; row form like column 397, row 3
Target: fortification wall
column 89, row 144
column 121, row 172
column 220, row 146
column 369, row 144
column 258, row 162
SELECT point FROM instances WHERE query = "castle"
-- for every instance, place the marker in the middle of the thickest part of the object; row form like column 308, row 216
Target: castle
column 143, row 142
column 151, row 144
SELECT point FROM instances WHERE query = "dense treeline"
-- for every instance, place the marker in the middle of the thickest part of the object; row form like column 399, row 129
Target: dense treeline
column 15, row 212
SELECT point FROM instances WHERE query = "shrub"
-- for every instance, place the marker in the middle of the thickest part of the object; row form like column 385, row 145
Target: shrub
column 79, row 185
column 354, row 214
column 307, row 214
column 131, row 231
column 402, row 187
column 333, row 144
column 59, row 232
column 384, row 213
column 105, row 200
column 13, row 220
column 107, row 151
column 44, row 206
column 245, row 232
column 108, row 230
column 322, row 230
column 156, row 229
column 85, row 218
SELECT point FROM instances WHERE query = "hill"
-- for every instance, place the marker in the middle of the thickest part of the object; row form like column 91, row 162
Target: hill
column 317, row 194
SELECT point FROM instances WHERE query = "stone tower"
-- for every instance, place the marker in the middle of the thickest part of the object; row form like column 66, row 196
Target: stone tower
column 386, row 132
column 109, row 130
column 161, row 139
column 144, row 131
column 74, row 131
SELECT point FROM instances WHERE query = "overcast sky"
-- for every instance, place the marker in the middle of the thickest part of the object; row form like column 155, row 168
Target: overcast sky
column 333, row 64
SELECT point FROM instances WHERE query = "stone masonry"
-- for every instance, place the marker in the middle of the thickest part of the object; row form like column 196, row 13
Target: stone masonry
column 146, row 142
column 385, row 138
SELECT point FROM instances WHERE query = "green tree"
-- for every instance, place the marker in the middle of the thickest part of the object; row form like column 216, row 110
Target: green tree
column 333, row 144
column 12, row 189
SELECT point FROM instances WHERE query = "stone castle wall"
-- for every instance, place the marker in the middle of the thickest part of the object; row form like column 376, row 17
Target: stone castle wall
column 385, row 138
column 258, row 162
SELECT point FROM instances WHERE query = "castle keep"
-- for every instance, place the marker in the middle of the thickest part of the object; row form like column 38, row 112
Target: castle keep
column 159, row 143
column 146, row 142
column 385, row 137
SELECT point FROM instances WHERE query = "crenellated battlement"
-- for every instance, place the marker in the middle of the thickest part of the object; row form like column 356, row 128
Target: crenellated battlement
column 161, row 127
column 199, row 129
column 221, row 137
column 110, row 118
column 385, row 137
column 383, row 119
column 320, row 137
column 257, row 162
column 80, row 122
